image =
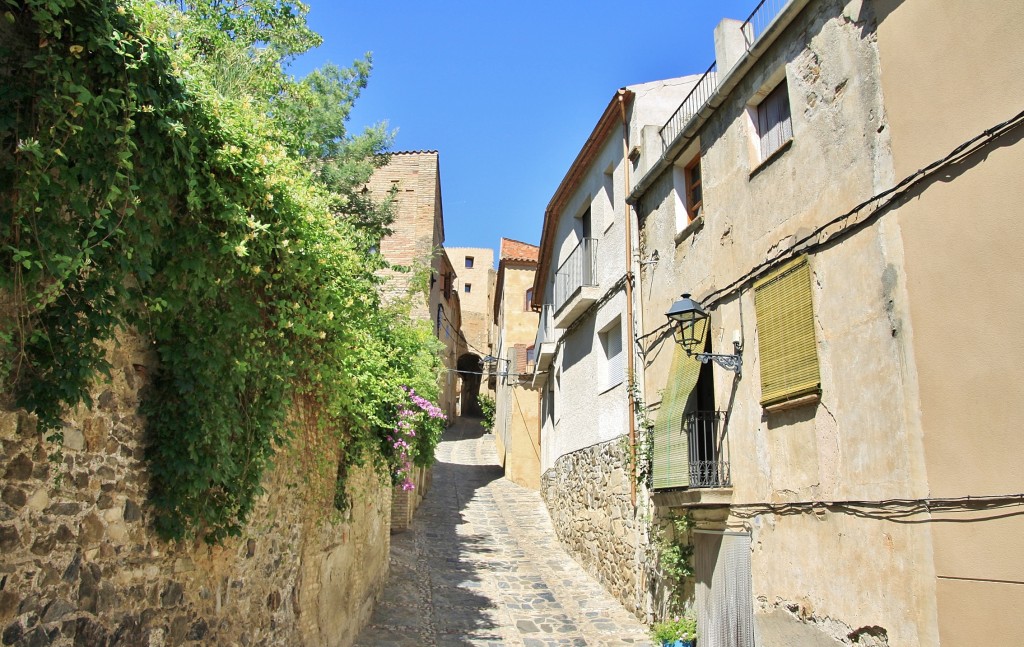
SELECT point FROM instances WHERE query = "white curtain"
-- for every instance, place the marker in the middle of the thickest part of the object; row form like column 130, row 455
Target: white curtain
column 725, row 611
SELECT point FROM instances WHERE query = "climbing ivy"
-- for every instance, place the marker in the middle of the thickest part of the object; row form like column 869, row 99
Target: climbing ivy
column 153, row 177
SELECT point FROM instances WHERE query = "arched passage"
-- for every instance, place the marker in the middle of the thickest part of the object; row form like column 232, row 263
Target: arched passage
column 470, row 368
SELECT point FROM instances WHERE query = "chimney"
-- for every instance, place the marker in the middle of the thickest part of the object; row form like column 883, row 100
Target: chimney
column 731, row 42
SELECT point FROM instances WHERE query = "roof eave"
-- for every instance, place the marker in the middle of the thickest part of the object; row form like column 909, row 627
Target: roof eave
column 580, row 165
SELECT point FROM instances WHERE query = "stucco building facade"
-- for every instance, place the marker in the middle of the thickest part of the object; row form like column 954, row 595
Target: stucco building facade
column 841, row 194
column 517, row 400
column 584, row 295
column 475, row 285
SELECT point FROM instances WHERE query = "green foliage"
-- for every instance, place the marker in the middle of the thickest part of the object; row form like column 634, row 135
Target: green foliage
column 643, row 450
column 676, row 551
column 679, row 627
column 160, row 171
column 487, row 406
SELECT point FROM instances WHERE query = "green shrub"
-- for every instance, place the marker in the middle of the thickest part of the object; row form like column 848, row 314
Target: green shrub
column 487, row 406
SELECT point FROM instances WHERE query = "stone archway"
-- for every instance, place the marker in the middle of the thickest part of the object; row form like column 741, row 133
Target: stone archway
column 470, row 368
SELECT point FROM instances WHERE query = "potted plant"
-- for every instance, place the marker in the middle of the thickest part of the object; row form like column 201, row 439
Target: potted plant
column 680, row 631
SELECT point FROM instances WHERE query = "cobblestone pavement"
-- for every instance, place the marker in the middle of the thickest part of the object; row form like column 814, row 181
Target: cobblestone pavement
column 481, row 566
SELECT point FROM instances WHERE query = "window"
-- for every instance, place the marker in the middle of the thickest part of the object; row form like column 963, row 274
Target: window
column 469, row 262
column 531, row 357
column 694, row 193
column 528, row 301
column 785, row 334
column 440, row 315
column 611, row 344
column 467, row 288
column 446, row 285
column 774, row 126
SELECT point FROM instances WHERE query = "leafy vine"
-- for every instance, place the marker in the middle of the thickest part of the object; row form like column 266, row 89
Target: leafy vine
column 161, row 172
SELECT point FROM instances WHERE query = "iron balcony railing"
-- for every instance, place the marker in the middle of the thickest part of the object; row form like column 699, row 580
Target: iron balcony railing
column 693, row 102
column 759, row 19
column 545, row 326
column 577, row 270
column 752, row 28
column 709, row 449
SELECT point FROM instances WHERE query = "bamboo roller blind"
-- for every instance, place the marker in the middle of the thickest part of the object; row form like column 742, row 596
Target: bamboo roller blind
column 785, row 333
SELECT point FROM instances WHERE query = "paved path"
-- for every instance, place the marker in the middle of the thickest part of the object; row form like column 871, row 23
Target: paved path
column 481, row 566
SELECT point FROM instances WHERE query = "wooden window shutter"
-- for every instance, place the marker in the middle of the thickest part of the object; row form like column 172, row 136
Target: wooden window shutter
column 774, row 124
column 785, row 333
column 671, row 443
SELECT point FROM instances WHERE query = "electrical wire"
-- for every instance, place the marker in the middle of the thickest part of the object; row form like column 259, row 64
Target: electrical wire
column 893, row 193
column 890, row 195
column 896, row 510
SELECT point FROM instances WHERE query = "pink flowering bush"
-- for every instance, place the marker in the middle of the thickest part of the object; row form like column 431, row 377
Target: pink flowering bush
column 419, row 427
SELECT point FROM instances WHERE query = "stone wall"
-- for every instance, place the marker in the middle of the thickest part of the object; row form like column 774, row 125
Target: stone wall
column 588, row 496
column 82, row 565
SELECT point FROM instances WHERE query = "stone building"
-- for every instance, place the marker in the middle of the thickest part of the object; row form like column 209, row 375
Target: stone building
column 584, row 295
column 475, row 284
column 417, row 245
column 517, row 410
column 841, row 194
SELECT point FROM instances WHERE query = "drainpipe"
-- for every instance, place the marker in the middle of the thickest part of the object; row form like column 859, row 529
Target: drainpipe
column 629, row 301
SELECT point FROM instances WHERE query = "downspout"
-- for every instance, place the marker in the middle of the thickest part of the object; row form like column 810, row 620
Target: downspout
column 629, row 302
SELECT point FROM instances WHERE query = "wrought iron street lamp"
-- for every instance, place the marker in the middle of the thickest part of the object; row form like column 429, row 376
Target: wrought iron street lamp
column 689, row 323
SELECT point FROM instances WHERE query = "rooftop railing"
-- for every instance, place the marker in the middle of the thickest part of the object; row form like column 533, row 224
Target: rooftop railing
column 752, row 28
column 759, row 19
column 693, row 102
column 577, row 270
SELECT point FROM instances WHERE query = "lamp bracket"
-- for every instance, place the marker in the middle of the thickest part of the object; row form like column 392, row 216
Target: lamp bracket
column 732, row 362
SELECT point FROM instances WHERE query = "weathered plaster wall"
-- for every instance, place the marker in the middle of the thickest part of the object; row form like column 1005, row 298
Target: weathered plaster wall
column 950, row 71
column 585, row 413
column 522, row 464
column 834, row 572
column 82, row 566
column 517, row 423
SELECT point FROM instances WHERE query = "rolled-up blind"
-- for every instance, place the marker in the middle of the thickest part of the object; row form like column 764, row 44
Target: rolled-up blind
column 671, row 449
column 785, row 333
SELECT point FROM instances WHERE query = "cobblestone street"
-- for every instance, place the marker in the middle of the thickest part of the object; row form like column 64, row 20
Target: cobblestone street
column 481, row 566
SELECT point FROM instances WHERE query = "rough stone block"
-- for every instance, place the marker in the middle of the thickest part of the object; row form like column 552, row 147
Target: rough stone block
column 19, row 469
column 14, row 497
column 74, row 439
column 90, row 532
column 8, row 425
column 96, row 430
column 39, row 500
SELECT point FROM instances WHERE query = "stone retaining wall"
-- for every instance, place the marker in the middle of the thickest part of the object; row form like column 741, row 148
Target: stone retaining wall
column 82, row 565
column 588, row 496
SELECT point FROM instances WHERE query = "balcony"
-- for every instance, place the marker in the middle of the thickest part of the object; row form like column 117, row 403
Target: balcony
column 708, row 469
column 546, row 339
column 576, row 283
column 709, row 450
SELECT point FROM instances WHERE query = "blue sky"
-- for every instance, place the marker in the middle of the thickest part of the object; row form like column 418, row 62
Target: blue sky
column 507, row 92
